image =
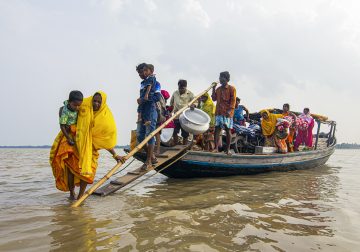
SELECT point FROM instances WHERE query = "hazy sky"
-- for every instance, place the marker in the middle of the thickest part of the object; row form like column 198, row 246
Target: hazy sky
column 306, row 53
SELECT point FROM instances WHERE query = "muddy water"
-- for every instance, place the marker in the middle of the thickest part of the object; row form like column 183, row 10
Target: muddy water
column 309, row 210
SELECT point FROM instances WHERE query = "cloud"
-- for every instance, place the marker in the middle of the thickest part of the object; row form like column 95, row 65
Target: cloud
column 195, row 9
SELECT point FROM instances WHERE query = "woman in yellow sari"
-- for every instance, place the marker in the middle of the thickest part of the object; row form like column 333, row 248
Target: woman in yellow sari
column 268, row 126
column 95, row 130
column 207, row 105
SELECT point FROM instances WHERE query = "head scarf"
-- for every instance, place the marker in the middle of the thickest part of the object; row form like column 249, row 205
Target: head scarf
column 165, row 94
column 209, row 108
column 268, row 125
column 95, row 129
column 307, row 117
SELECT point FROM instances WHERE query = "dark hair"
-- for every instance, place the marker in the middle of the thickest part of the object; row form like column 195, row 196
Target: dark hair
column 307, row 109
column 226, row 75
column 238, row 99
column 286, row 105
column 141, row 67
column 75, row 95
column 151, row 67
column 182, row 83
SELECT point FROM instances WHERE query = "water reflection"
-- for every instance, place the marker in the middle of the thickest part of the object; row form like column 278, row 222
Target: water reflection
column 237, row 211
column 77, row 230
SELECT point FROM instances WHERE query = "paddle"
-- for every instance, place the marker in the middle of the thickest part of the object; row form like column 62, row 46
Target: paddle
column 136, row 149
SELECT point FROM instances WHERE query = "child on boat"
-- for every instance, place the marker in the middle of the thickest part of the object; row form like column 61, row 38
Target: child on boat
column 68, row 114
column 239, row 113
column 149, row 86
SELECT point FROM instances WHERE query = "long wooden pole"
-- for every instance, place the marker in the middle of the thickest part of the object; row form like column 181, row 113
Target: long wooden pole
column 136, row 149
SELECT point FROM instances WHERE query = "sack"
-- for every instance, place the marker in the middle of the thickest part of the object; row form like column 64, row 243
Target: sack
column 161, row 109
column 133, row 140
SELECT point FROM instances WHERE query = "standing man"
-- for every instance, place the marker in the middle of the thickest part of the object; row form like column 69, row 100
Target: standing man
column 180, row 99
column 225, row 97
column 144, row 128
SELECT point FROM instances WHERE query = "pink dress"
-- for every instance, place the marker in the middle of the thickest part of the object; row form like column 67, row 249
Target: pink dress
column 304, row 134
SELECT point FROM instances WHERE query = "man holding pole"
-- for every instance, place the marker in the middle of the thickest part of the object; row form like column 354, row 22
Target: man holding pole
column 225, row 97
column 145, row 129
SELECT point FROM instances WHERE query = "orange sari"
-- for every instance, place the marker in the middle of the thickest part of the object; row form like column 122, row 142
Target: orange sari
column 64, row 158
column 95, row 130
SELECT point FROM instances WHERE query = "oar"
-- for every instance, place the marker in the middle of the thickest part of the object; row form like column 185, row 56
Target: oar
column 136, row 149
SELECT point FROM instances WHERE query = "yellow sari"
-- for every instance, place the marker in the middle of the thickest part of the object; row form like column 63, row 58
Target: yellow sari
column 95, row 130
column 209, row 108
column 268, row 126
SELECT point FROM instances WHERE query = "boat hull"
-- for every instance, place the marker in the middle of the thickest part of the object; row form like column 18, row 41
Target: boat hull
column 194, row 164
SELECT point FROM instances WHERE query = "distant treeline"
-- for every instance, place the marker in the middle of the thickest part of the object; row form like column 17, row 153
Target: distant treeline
column 348, row 146
column 43, row 147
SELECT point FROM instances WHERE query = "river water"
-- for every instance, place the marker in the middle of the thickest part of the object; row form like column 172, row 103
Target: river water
column 307, row 210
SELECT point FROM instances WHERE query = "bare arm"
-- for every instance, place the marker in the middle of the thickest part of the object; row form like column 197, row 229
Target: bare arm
column 117, row 157
column 64, row 129
column 247, row 113
column 232, row 101
column 213, row 95
column 148, row 88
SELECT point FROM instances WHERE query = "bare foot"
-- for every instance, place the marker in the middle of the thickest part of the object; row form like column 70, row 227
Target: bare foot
column 154, row 160
column 146, row 167
column 72, row 196
column 228, row 153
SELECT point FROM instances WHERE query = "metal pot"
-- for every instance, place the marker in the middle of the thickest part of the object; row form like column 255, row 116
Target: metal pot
column 194, row 121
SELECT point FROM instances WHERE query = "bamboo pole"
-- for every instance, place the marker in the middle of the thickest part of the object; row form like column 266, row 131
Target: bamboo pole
column 136, row 149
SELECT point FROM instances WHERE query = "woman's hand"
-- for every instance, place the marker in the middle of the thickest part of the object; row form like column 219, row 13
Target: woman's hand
column 119, row 159
column 70, row 142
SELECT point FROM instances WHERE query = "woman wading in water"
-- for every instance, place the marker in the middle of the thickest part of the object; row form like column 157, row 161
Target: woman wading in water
column 95, row 129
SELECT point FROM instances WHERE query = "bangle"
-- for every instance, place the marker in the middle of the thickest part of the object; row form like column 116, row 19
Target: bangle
column 115, row 155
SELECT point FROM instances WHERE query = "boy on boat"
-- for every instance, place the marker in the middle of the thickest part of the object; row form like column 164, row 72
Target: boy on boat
column 180, row 99
column 148, row 111
column 225, row 97
column 149, row 86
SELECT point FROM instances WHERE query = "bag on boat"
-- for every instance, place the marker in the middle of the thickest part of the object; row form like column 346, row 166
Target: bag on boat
column 133, row 139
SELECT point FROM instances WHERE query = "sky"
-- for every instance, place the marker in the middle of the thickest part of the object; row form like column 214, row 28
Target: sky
column 306, row 53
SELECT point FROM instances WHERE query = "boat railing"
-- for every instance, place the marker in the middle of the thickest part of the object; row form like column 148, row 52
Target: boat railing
column 331, row 140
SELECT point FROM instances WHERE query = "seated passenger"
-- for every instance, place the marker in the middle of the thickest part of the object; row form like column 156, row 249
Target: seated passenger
column 305, row 127
column 274, row 130
column 207, row 105
column 239, row 113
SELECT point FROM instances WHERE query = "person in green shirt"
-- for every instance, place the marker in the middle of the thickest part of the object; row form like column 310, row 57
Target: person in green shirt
column 68, row 114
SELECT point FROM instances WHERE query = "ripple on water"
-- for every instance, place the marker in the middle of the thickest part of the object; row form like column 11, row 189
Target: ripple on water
column 313, row 209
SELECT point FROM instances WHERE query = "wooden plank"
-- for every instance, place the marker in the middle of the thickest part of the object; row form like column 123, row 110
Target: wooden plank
column 126, row 179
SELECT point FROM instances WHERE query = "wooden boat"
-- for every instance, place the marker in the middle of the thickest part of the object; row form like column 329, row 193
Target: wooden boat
column 190, row 163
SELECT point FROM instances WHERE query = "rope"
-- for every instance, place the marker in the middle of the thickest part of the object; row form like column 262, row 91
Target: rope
column 133, row 159
column 154, row 173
